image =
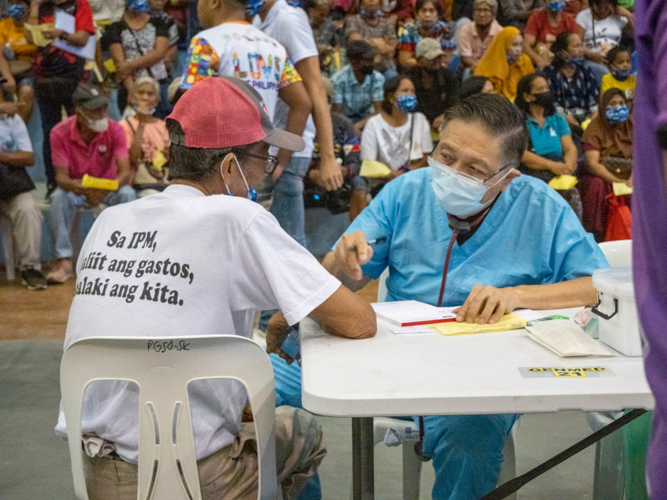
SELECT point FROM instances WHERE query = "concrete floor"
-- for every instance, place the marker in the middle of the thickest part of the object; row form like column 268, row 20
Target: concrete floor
column 34, row 463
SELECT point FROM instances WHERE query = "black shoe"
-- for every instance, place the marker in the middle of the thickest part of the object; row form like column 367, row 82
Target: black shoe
column 50, row 188
column 33, row 279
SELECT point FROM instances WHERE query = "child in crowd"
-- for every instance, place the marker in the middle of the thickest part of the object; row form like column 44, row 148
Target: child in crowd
column 620, row 63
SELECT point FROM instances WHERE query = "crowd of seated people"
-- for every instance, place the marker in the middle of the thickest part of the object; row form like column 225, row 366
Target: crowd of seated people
column 362, row 81
column 554, row 58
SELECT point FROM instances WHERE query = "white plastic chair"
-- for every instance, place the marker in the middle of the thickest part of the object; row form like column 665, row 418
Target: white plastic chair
column 8, row 247
column 618, row 253
column 412, row 466
column 167, row 465
column 608, row 474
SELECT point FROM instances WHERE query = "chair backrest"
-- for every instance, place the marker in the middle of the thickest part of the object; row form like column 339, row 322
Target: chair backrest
column 618, row 253
column 382, row 285
column 162, row 368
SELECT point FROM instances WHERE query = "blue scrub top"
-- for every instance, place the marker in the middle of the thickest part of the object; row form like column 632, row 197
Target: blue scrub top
column 530, row 237
column 546, row 139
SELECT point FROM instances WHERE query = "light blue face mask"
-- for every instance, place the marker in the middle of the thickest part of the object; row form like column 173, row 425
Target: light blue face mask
column 17, row 11
column 253, row 7
column 406, row 103
column 252, row 192
column 138, row 6
column 617, row 114
column 459, row 194
column 557, row 6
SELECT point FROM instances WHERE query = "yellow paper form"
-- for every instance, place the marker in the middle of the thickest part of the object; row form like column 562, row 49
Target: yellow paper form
column 563, row 182
column 507, row 322
column 37, row 35
column 372, row 168
column 159, row 160
column 621, row 188
column 97, row 183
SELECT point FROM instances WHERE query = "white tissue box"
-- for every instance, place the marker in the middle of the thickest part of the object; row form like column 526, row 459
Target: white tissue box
column 617, row 310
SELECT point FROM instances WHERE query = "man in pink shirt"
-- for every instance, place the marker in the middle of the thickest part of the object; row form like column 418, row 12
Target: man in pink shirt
column 476, row 36
column 86, row 143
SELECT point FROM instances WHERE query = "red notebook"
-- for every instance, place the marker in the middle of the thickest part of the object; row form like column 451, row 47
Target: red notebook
column 406, row 313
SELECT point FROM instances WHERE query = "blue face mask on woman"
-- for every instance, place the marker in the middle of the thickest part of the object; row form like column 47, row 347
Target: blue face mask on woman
column 617, row 114
column 17, row 11
column 138, row 6
column 556, row 6
column 406, row 103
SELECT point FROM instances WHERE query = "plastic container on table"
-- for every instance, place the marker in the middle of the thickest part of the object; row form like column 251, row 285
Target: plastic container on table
column 616, row 307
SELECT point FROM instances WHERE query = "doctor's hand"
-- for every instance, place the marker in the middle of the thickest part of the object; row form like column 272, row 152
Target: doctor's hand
column 351, row 253
column 275, row 335
column 486, row 304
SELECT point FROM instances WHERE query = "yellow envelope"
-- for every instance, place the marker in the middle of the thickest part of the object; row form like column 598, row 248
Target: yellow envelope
column 563, row 182
column 621, row 188
column 372, row 168
column 507, row 322
column 97, row 183
column 110, row 66
column 37, row 35
column 159, row 160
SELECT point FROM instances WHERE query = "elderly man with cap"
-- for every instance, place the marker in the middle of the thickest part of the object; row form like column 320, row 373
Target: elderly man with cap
column 227, row 257
column 86, row 143
column 435, row 85
column 357, row 86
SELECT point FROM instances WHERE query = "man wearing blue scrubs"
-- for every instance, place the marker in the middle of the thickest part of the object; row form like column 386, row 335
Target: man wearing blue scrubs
column 518, row 245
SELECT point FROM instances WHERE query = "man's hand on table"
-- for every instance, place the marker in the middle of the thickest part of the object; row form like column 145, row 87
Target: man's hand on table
column 351, row 253
column 275, row 331
column 487, row 302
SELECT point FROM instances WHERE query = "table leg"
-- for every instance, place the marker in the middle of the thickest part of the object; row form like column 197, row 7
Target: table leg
column 363, row 477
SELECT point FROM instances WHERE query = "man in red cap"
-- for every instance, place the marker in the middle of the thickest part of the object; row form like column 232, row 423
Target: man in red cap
column 194, row 261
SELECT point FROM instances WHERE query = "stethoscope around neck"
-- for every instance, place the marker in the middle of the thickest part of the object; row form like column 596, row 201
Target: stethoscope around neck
column 458, row 227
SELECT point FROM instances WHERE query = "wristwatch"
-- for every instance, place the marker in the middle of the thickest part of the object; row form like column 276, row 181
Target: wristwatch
column 63, row 36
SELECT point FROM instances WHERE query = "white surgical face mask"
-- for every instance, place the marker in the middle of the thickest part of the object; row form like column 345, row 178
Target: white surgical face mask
column 100, row 125
column 458, row 193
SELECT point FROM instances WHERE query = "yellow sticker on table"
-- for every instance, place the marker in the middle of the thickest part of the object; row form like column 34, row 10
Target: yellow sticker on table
column 507, row 322
column 563, row 182
column 621, row 188
column 97, row 183
column 569, row 372
column 372, row 168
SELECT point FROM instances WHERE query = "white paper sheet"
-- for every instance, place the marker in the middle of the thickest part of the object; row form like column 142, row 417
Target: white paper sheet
column 65, row 21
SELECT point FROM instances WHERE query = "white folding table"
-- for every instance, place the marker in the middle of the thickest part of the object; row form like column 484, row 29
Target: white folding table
column 392, row 375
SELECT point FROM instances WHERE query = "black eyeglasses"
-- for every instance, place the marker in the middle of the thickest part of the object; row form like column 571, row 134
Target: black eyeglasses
column 271, row 161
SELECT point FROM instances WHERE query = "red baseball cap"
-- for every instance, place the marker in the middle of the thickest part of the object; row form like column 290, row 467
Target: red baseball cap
column 225, row 112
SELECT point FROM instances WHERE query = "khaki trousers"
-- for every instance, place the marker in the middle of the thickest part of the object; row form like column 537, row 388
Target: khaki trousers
column 26, row 220
column 232, row 472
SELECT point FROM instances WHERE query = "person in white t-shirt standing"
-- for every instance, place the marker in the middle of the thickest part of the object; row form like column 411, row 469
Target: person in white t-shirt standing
column 398, row 137
column 247, row 53
column 290, row 26
column 192, row 261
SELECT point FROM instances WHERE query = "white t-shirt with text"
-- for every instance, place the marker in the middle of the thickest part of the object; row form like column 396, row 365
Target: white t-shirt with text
column 247, row 53
column 290, row 26
column 389, row 145
column 181, row 263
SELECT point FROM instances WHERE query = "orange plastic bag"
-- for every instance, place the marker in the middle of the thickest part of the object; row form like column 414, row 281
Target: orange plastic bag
column 619, row 223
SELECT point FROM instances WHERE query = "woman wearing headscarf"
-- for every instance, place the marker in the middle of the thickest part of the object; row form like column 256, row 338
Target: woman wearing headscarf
column 607, row 144
column 504, row 63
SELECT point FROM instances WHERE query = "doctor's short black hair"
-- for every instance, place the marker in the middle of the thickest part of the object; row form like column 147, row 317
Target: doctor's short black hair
column 499, row 117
